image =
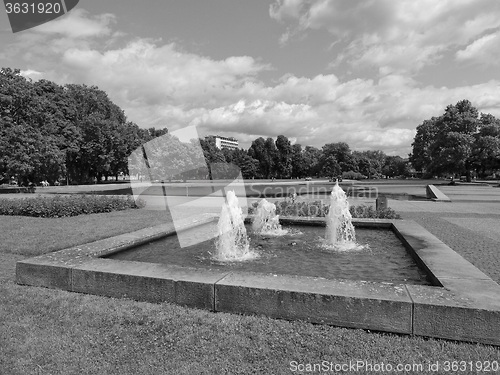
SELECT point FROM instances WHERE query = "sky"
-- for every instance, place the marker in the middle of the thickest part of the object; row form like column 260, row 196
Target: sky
column 365, row 72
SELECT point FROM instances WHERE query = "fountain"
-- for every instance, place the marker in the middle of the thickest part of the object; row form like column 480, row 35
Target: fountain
column 340, row 234
column 266, row 222
column 232, row 243
column 301, row 250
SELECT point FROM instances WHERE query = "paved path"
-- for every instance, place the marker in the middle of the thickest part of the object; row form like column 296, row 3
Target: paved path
column 471, row 193
column 469, row 224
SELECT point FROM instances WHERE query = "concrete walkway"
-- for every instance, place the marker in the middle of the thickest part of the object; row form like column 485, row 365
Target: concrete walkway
column 469, row 224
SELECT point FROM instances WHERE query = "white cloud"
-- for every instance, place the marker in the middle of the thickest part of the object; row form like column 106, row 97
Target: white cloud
column 160, row 84
column 395, row 36
column 285, row 9
column 146, row 73
column 30, row 73
column 264, row 116
column 485, row 50
column 78, row 24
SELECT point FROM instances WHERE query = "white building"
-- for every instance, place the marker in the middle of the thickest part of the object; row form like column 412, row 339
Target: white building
column 225, row 142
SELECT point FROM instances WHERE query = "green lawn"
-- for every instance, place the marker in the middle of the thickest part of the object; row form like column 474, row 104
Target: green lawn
column 44, row 331
column 33, row 235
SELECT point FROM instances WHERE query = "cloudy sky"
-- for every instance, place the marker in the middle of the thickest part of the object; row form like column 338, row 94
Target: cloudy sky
column 365, row 72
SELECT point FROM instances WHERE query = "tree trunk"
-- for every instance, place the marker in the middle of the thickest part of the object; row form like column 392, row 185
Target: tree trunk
column 468, row 176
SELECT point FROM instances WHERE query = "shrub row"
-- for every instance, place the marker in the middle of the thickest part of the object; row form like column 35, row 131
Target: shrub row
column 351, row 175
column 319, row 209
column 63, row 206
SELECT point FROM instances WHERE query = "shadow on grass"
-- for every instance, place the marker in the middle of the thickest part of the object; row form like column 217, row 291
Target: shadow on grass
column 45, row 331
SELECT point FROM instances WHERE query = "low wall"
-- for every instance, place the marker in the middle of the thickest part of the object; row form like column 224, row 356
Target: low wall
column 435, row 194
column 464, row 304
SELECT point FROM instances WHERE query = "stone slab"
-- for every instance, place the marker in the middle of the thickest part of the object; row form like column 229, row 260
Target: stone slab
column 442, row 262
column 435, row 194
column 39, row 272
column 147, row 282
column 346, row 303
column 455, row 315
column 465, row 304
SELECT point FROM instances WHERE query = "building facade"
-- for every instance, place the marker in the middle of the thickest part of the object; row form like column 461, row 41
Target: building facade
column 225, row 142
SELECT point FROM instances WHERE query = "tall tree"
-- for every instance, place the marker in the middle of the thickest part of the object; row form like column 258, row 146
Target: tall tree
column 247, row 165
column 56, row 114
column 486, row 148
column 421, row 156
column 258, row 152
column 364, row 165
column 99, row 120
column 395, row 166
column 337, row 158
column 284, row 157
column 311, row 158
column 369, row 162
column 272, row 158
column 29, row 140
column 457, row 142
column 451, row 150
column 299, row 166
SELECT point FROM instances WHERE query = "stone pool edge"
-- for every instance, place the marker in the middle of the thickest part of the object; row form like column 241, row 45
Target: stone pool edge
column 464, row 306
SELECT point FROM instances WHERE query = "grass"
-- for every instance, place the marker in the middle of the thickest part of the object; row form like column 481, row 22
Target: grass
column 44, row 331
column 34, row 235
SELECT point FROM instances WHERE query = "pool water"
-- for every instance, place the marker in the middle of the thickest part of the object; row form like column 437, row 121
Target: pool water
column 300, row 252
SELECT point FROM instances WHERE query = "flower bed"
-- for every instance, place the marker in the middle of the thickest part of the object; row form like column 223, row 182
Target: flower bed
column 319, row 209
column 63, row 206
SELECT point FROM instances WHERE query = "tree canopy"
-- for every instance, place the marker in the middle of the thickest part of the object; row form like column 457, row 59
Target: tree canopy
column 72, row 132
column 76, row 133
column 459, row 141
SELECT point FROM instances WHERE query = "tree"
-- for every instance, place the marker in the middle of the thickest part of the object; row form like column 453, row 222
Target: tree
column 369, row 162
column 272, row 158
column 421, row 157
column 55, row 116
column 99, row 122
column 264, row 150
column 129, row 139
column 364, row 166
column 16, row 97
column 451, row 149
column 330, row 166
column 299, row 166
column 395, row 166
column 48, row 131
column 456, row 142
column 486, row 148
column 311, row 157
column 169, row 158
column 247, row 165
column 212, row 153
column 336, row 158
column 30, row 131
column 284, row 157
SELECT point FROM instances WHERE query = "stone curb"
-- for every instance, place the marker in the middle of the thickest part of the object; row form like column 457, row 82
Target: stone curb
column 435, row 194
column 464, row 305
